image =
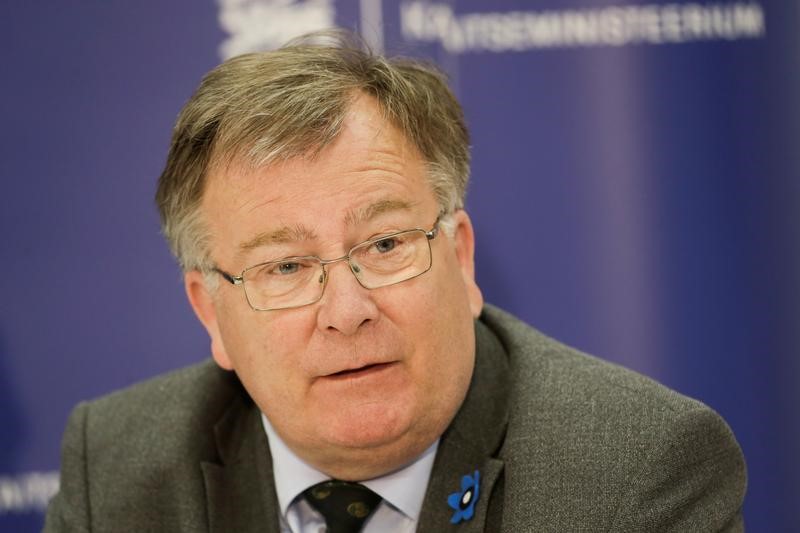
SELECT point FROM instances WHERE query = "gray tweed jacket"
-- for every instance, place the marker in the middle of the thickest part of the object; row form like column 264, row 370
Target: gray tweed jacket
column 562, row 441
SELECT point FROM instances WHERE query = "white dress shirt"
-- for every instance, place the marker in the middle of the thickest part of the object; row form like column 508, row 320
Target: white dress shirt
column 402, row 491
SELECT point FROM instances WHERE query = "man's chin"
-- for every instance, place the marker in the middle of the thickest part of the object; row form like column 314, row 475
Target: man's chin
column 368, row 446
column 364, row 412
column 367, row 426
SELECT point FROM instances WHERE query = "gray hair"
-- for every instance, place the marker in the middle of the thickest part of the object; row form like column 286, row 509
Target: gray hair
column 256, row 109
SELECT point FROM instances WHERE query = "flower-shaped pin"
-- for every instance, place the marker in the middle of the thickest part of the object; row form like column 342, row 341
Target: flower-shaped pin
column 464, row 501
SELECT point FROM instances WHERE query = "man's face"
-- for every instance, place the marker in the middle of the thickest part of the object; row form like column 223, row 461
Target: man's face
column 361, row 382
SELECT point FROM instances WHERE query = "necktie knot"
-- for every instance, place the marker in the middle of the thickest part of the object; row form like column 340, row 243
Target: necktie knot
column 344, row 505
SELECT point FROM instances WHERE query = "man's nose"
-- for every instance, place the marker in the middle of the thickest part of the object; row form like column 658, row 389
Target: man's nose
column 345, row 305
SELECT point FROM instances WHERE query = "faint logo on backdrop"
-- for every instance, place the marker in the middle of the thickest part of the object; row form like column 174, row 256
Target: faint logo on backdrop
column 620, row 25
column 256, row 25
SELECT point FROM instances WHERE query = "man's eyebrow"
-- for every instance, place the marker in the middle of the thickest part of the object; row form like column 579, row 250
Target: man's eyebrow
column 282, row 235
column 354, row 217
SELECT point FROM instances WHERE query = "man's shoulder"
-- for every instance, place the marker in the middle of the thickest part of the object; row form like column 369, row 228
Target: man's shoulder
column 572, row 403
column 134, row 457
column 567, row 379
column 163, row 410
column 607, row 439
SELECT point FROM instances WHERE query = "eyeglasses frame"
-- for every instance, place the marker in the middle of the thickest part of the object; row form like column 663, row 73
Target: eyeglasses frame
column 239, row 280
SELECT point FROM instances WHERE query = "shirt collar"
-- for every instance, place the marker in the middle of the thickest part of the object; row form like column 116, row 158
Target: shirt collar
column 403, row 489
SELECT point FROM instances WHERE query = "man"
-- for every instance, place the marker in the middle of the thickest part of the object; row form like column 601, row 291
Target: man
column 314, row 199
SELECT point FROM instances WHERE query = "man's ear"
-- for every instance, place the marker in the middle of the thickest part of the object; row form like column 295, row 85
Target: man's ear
column 204, row 307
column 464, row 239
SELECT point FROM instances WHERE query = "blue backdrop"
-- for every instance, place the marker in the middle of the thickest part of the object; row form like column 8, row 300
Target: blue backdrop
column 635, row 191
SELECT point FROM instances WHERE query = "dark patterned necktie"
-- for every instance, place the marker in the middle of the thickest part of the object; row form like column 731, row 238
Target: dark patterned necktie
column 345, row 506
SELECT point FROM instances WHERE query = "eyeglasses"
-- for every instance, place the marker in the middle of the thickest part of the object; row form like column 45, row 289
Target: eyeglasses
column 298, row 281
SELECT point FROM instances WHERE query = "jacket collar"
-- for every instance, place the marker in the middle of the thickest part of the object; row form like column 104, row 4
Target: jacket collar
column 471, row 443
column 239, row 488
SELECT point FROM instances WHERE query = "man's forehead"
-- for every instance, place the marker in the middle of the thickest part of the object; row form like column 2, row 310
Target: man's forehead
column 359, row 215
column 353, row 217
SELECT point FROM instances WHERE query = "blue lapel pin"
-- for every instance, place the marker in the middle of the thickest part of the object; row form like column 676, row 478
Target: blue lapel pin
column 463, row 501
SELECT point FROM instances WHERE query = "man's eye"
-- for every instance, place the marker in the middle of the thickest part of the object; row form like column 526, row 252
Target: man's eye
column 386, row 245
column 286, row 268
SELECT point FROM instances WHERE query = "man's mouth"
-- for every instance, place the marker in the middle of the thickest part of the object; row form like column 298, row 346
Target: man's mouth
column 362, row 371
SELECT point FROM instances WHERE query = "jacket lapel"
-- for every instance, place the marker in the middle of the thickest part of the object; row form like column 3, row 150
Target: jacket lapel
column 471, row 444
column 240, row 487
